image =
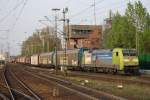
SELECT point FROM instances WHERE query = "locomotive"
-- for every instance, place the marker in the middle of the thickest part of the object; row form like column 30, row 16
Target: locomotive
column 100, row 60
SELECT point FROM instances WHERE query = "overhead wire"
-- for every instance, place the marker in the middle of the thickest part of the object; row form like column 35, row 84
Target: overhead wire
column 86, row 9
column 12, row 10
column 113, row 7
column 66, row 2
column 83, row 2
column 59, row 30
column 104, row 10
column 16, row 20
column 7, row 15
column 2, row 6
column 14, row 24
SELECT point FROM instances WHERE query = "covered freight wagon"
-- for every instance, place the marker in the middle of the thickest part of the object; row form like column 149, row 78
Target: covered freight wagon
column 144, row 61
column 35, row 59
column 73, row 59
column 45, row 59
column 27, row 60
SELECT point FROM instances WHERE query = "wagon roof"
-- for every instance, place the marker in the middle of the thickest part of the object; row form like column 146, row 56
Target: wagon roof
column 69, row 51
column 46, row 54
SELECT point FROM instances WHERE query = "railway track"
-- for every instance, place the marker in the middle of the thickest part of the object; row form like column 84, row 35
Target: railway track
column 141, row 80
column 5, row 92
column 114, row 78
column 18, row 90
column 91, row 94
column 53, row 91
column 145, row 77
column 82, row 91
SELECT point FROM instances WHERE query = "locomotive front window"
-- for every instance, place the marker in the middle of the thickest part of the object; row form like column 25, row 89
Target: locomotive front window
column 116, row 53
column 129, row 52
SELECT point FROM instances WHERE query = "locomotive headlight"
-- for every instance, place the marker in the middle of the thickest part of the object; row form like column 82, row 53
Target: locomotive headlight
column 135, row 60
column 126, row 60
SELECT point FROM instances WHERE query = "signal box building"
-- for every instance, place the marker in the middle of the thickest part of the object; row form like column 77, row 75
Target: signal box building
column 88, row 36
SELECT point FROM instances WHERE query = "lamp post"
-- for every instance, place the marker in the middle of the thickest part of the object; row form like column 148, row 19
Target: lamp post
column 56, row 10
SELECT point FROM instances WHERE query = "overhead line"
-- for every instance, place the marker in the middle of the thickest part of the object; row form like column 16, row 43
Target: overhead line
column 51, row 24
column 25, row 2
column 102, row 11
column 119, row 5
column 81, row 12
column 84, row 10
column 67, row 1
column 2, row 19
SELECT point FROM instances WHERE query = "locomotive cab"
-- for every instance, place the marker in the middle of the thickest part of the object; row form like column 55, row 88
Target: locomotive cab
column 126, row 59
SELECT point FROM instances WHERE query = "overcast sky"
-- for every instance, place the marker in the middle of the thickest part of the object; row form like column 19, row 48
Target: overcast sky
column 21, row 17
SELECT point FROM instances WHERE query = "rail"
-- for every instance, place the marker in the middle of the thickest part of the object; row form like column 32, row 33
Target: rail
column 14, row 93
column 7, row 85
column 83, row 91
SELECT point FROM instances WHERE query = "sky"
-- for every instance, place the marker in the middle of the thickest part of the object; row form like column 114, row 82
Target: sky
column 20, row 18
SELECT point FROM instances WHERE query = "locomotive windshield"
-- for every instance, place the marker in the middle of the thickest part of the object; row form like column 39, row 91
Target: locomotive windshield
column 129, row 52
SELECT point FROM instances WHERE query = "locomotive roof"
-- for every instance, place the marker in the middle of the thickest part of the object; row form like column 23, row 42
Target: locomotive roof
column 102, row 51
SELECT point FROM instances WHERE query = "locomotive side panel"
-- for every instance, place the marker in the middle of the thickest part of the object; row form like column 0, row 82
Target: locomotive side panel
column 102, row 58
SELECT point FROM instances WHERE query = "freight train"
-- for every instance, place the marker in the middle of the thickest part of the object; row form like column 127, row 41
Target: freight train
column 100, row 60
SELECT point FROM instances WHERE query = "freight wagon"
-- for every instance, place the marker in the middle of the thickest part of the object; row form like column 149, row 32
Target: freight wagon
column 35, row 60
column 144, row 61
column 73, row 59
column 45, row 60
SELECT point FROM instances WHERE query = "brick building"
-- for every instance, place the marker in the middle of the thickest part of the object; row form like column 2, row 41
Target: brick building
column 84, row 36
